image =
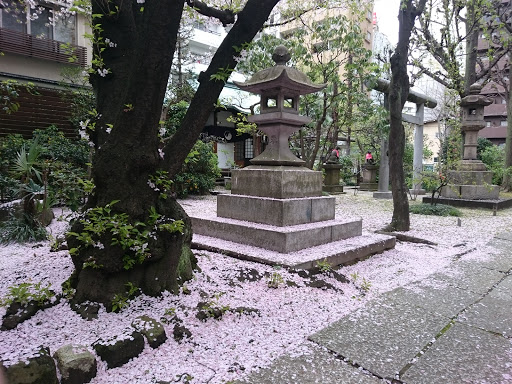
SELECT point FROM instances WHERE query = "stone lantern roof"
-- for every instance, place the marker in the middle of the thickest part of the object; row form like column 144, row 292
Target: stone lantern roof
column 281, row 77
column 474, row 99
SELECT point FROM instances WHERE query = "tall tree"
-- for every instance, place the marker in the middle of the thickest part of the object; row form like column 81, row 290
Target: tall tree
column 398, row 92
column 501, row 74
column 131, row 230
column 448, row 31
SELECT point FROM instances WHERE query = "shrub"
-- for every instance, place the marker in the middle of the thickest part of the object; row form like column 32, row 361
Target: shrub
column 347, row 172
column 57, row 147
column 21, row 229
column 198, row 173
column 435, row 210
column 494, row 157
column 65, row 160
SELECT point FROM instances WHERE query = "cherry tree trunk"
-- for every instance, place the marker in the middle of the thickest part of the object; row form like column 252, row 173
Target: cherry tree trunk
column 398, row 92
column 135, row 43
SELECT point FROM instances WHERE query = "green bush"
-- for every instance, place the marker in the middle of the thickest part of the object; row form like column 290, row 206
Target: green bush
column 494, row 157
column 58, row 147
column 21, row 229
column 482, row 144
column 198, row 173
column 64, row 159
column 347, row 172
column 435, row 210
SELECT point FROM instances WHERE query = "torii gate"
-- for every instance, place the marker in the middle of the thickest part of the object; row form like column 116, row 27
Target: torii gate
column 421, row 102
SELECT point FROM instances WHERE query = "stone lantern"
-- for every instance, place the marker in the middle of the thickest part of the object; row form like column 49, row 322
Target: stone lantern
column 268, row 175
column 276, row 209
column 473, row 119
column 471, row 180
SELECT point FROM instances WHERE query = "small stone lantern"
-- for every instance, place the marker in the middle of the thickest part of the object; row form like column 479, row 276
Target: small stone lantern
column 473, row 119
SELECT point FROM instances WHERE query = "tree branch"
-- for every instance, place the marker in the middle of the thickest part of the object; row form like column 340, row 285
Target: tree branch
column 225, row 16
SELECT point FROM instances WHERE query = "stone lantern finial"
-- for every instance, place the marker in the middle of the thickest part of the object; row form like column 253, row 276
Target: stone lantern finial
column 281, row 55
column 475, row 88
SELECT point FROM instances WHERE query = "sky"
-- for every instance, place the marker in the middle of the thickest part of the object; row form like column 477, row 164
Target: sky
column 387, row 18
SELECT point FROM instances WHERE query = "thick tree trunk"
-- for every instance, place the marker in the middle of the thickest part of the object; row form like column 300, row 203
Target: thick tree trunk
column 507, row 178
column 129, row 103
column 398, row 91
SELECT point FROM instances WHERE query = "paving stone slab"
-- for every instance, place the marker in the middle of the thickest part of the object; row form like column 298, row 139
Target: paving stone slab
column 505, row 286
column 504, row 235
column 502, row 259
column 383, row 336
column 470, row 276
column 444, row 299
column 313, row 364
column 492, row 313
column 464, row 355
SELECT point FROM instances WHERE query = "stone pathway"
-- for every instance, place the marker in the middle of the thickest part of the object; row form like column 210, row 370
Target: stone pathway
column 454, row 327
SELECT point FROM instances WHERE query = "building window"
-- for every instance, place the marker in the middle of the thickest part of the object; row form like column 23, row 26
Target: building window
column 487, row 124
column 503, row 123
column 19, row 20
column 503, row 100
column 368, row 36
column 239, row 151
column 249, row 148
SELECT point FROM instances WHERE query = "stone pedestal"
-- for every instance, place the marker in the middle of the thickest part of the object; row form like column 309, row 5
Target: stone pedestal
column 369, row 178
column 277, row 181
column 332, row 179
column 472, row 181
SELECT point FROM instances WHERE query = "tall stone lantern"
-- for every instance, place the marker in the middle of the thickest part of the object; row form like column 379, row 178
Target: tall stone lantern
column 276, row 209
column 277, row 172
column 277, row 188
column 471, row 180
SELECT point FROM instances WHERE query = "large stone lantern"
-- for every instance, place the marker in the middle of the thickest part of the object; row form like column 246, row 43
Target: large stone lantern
column 471, row 180
column 269, row 174
column 276, row 209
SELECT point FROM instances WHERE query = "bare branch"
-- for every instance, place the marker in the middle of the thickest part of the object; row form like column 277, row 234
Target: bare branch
column 225, row 16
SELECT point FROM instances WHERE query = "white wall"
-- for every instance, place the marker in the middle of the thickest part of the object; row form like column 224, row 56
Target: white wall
column 226, row 154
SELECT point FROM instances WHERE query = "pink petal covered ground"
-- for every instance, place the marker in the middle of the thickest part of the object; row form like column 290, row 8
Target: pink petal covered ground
column 230, row 348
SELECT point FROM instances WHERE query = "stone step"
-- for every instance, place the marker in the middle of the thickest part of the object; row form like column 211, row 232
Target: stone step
column 279, row 212
column 474, row 192
column 336, row 253
column 281, row 239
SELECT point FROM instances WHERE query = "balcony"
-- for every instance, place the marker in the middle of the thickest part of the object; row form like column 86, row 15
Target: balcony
column 46, row 49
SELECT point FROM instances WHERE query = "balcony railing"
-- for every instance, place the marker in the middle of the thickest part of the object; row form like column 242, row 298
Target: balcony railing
column 31, row 46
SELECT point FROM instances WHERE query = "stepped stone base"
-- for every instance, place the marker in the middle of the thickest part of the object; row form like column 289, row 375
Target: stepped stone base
column 471, row 192
column 383, row 195
column 279, row 239
column 495, row 205
column 471, row 181
column 470, row 177
column 368, row 186
column 278, row 212
column 337, row 253
column 333, row 189
column 277, row 182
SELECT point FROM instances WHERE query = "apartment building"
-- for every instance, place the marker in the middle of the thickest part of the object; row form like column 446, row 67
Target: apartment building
column 36, row 50
column 495, row 115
